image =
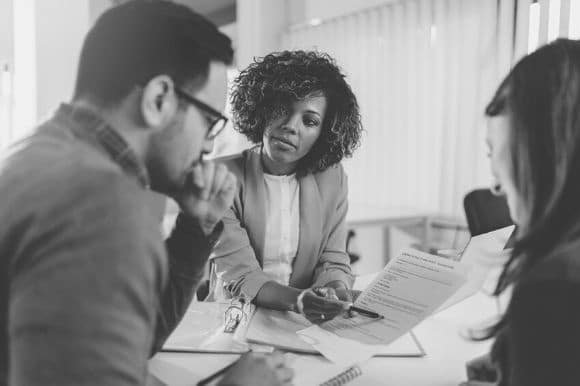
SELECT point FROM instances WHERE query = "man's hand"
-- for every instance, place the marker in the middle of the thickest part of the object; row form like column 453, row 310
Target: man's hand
column 209, row 192
column 255, row 369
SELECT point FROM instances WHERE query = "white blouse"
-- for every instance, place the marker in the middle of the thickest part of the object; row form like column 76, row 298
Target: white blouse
column 282, row 226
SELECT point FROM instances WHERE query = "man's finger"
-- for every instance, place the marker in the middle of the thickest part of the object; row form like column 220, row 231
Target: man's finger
column 208, row 175
column 220, row 175
column 197, row 177
column 228, row 190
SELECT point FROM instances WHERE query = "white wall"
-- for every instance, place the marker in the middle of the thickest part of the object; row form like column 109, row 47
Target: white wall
column 6, row 63
column 325, row 9
column 6, row 35
column 46, row 38
column 61, row 27
column 260, row 25
column 306, row 10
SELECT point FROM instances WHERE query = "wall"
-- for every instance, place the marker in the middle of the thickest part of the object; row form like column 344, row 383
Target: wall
column 6, row 27
column 260, row 24
column 45, row 37
column 61, row 27
column 6, row 64
column 306, row 10
column 325, row 9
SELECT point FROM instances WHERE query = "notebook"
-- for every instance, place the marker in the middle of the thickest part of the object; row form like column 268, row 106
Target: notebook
column 318, row 371
column 278, row 329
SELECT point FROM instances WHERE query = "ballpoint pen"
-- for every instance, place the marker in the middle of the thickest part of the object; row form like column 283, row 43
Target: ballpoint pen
column 362, row 311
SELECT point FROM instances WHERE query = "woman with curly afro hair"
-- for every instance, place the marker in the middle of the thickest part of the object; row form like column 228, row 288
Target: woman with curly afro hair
column 284, row 240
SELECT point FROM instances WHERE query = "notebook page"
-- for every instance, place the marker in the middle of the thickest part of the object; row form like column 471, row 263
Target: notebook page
column 315, row 370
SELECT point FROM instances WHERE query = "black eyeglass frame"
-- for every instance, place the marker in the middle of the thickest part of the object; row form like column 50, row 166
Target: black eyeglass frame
column 220, row 120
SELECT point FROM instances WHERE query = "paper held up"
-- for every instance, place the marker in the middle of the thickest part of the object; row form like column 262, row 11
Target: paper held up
column 409, row 289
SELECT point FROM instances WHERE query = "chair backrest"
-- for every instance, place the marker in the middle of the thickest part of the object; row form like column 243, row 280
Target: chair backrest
column 485, row 211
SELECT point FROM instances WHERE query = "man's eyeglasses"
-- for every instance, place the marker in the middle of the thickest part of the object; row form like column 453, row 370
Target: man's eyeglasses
column 216, row 121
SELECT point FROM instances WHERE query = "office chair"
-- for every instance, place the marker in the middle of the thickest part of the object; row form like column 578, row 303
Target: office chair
column 353, row 256
column 485, row 211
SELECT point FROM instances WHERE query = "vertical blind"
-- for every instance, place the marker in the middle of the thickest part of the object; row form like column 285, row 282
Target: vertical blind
column 423, row 71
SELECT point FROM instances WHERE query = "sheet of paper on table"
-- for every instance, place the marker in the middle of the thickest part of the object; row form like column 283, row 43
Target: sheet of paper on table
column 277, row 328
column 409, row 289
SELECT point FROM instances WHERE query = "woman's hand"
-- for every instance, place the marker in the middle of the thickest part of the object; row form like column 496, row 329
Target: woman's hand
column 319, row 306
column 336, row 290
column 339, row 291
column 481, row 371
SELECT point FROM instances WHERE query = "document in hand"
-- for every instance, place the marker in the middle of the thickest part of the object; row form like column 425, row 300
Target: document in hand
column 483, row 257
column 409, row 289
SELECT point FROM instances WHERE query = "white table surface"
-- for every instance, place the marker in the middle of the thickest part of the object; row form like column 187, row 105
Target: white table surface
column 440, row 335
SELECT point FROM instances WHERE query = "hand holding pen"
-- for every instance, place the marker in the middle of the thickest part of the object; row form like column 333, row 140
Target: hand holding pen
column 329, row 293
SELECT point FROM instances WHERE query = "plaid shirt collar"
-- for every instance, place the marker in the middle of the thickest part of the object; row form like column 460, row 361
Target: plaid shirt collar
column 85, row 123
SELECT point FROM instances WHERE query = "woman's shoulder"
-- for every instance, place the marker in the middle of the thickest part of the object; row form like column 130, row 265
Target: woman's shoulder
column 333, row 175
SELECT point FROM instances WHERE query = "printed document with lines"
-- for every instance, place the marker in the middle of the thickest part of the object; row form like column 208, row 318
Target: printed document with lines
column 410, row 288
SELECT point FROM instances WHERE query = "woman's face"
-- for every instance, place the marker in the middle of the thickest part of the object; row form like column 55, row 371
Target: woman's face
column 498, row 141
column 289, row 137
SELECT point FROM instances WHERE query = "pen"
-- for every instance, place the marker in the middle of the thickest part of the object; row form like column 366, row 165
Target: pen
column 364, row 312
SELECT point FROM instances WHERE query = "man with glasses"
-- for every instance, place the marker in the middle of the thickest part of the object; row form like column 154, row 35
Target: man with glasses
column 88, row 290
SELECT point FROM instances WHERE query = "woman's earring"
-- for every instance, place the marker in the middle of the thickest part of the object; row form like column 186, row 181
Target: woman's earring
column 496, row 190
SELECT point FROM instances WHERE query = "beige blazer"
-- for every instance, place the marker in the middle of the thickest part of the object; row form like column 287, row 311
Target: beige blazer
column 321, row 257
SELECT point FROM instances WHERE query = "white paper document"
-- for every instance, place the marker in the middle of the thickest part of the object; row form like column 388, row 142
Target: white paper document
column 408, row 290
column 279, row 329
column 352, row 351
column 483, row 257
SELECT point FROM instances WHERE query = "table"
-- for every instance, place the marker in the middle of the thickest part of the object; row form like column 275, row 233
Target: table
column 447, row 351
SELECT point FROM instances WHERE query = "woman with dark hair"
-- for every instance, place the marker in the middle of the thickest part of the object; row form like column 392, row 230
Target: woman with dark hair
column 534, row 141
column 284, row 241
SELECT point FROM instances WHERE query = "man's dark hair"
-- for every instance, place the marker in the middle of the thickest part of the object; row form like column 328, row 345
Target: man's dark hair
column 140, row 39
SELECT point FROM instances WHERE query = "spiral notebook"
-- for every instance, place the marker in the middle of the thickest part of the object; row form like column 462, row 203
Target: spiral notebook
column 318, row 371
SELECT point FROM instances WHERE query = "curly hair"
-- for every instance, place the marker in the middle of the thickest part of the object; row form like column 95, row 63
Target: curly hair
column 262, row 92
